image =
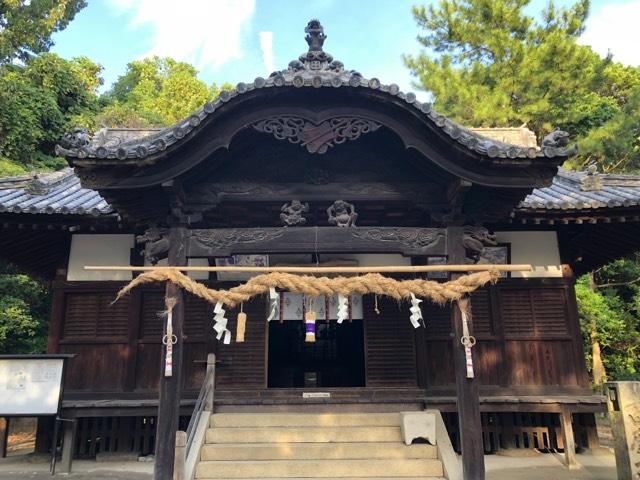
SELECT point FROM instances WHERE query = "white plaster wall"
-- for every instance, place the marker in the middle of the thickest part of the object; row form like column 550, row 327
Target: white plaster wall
column 540, row 249
column 87, row 249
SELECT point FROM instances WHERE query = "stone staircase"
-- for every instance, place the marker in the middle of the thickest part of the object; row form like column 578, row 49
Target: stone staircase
column 296, row 446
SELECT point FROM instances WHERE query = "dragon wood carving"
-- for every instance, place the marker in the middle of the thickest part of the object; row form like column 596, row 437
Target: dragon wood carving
column 220, row 239
column 418, row 238
column 316, row 138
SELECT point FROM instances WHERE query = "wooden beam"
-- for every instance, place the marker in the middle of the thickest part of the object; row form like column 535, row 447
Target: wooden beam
column 381, row 269
column 170, row 387
column 4, row 436
column 468, row 400
column 568, row 440
column 68, row 445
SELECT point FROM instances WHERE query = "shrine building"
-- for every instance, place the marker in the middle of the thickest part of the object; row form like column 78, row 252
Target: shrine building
column 318, row 166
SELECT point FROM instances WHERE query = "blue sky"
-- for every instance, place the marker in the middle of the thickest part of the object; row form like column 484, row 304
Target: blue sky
column 237, row 40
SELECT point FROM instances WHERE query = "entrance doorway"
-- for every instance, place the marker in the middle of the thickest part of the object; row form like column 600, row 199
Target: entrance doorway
column 335, row 359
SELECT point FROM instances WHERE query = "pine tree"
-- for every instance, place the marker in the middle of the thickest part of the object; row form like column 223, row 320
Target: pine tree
column 489, row 63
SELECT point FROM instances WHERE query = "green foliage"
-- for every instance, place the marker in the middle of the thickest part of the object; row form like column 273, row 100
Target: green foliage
column 9, row 168
column 24, row 313
column 41, row 101
column 609, row 314
column 155, row 92
column 26, row 26
column 490, row 64
column 614, row 145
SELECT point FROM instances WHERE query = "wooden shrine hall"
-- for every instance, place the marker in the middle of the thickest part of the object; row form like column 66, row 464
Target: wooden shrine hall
column 318, row 166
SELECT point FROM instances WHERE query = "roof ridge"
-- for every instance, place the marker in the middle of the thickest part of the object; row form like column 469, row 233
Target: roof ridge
column 313, row 69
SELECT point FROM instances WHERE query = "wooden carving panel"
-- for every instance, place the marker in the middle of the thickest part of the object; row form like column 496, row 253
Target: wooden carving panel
column 243, row 365
column 228, row 241
column 390, row 355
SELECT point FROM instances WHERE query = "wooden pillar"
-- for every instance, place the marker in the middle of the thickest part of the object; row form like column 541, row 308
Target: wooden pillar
column 4, row 436
column 567, row 439
column 170, row 387
column 68, row 445
column 466, row 388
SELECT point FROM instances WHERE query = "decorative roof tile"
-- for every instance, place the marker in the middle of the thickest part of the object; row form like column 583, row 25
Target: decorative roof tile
column 584, row 190
column 61, row 193
column 51, row 193
column 313, row 69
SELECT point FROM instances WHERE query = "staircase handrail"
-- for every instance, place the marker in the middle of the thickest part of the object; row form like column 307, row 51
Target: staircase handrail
column 184, row 463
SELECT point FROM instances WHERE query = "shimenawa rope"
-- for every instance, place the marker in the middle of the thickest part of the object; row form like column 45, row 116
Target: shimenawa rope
column 372, row 283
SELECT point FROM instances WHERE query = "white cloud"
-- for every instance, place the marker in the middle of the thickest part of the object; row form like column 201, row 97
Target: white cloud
column 614, row 28
column 266, row 45
column 202, row 32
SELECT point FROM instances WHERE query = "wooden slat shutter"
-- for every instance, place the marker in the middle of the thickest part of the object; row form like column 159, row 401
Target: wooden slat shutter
column 534, row 312
column 91, row 315
column 481, row 312
column 81, row 315
column 437, row 319
column 198, row 314
column 151, row 327
column 243, row 365
column 517, row 312
column 390, row 354
column 550, row 311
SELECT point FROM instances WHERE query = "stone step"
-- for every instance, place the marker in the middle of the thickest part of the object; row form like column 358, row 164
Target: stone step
column 319, row 469
column 304, row 420
column 302, row 434
column 310, row 451
column 345, row 478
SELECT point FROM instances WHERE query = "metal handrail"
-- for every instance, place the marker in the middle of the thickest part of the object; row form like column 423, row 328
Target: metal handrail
column 205, row 390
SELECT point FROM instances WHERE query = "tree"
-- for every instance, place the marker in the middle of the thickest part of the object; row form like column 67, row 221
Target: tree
column 26, row 26
column 608, row 305
column 488, row 63
column 24, row 310
column 40, row 101
column 155, row 92
column 615, row 145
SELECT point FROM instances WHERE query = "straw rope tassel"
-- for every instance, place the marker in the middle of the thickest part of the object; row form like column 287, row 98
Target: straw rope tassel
column 241, row 325
column 169, row 338
column 467, row 340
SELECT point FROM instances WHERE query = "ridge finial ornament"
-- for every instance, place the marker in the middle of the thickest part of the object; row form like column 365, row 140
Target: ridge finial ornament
column 315, row 35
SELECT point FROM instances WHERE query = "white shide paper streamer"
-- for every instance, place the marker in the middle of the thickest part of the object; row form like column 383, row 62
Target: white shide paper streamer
column 220, row 325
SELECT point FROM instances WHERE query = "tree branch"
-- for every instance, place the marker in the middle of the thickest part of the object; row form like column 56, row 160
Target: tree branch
column 618, row 284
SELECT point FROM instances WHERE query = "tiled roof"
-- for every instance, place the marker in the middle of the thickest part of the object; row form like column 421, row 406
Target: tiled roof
column 50, row 193
column 584, row 190
column 313, row 70
column 61, row 192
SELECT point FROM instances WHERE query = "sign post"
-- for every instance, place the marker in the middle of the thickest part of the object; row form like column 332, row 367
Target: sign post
column 32, row 386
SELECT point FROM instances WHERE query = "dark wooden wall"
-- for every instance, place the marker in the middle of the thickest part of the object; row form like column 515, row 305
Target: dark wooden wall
column 527, row 331
column 527, row 335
